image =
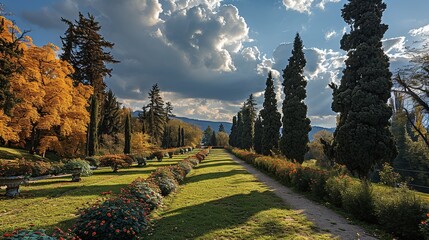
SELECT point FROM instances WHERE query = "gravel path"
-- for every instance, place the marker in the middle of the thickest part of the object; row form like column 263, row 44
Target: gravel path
column 324, row 218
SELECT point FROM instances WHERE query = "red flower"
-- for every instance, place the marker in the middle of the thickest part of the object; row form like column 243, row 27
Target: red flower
column 109, row 215
column 8, row 235
column 117, row 230
column 94, row 233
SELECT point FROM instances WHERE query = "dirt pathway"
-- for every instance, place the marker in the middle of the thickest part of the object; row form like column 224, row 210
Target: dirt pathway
column 324, row 218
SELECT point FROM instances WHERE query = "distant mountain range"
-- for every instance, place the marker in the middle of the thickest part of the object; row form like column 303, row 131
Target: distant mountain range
column 203, row 124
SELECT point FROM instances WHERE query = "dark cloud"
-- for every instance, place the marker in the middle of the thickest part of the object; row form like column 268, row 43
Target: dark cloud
column 49, row 17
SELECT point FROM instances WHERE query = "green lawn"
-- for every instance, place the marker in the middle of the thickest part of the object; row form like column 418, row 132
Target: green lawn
column 220, row 200
column 13, row 153
column 54, row 202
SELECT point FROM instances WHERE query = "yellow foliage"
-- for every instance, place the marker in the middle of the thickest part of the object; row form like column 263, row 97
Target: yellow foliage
column 140, row 142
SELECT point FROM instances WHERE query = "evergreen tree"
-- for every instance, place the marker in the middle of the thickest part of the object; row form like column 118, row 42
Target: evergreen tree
column 166, row 138
column 143, row 119
column 362, row 138
column 111, row 121
column 155, row 115
column 213, row 140
column 270, row 119
column 68, row 41
column 249, row 117
column 233, row 135
column 10, row 52
column 257, row 141
column 168, row 111
column 179, row 137
column 221, row 128
column 296, row 125
column 238, row 137
column 207, row 136
column 183, row 137
column 127, row 148
column 92, row 143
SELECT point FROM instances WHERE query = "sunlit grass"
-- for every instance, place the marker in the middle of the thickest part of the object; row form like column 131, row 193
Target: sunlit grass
column 54, row 202
column 220, row 200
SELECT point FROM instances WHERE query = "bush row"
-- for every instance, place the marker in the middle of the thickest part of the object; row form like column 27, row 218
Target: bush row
column 396, row 210
column 124, row 216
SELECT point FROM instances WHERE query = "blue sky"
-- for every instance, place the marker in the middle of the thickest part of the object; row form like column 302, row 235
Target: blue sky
column 209, row 55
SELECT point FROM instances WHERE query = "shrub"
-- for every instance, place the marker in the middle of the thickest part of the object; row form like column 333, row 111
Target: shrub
column 178, row 172
column 185, row 165
column 56, row 168
column 115, row 218
column 170, row 154
column 93, row 161
column 115, row 161
column 388, row 176
column 193, row 160
column 424, row 227
column 335, row 187
column 164, row 178
column 200, row 157
column 159, row 155
column 27, row 234
column 72, row 164
column 142, row 191
column 358, row 199
column 400, row 212
column 22, row 167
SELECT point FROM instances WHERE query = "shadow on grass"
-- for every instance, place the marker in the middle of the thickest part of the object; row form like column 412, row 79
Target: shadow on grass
column 214, row 175
column 195, row 221
column 226, row 163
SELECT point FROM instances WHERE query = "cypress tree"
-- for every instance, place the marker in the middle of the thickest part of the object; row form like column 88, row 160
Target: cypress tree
column 92, row 143
column 127, row 148
column 183, row 137
column 249, row 117
column 213, row 140
column 221, row 128
column 270, row 119
column 238, row 137
column 233, row 135
column 362, row 138
column 296, row 125
column 257, row 141
column 179, row 137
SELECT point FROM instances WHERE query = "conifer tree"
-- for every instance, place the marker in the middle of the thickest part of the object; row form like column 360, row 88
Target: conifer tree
column 270, row 119
column 127, row 148
column 233, row 135
column 221, row 128
column 213, row 140
column 207, row 136
column 183, row 137
column 155, row 115
column 92, row 143
column 143, row 119
column 249, row 117
column 179, row 137
column 296, row 125
column 257, row 141
column 111, row 121
column 362, row 138
column 238, row 137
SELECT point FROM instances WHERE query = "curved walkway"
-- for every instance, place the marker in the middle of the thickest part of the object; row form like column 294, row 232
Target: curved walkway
column 324, row 218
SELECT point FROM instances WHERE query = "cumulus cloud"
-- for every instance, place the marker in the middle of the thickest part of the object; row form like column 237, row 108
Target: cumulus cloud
column 323, row 3
column 298, row 5
column 419, row 31
column 330, row 34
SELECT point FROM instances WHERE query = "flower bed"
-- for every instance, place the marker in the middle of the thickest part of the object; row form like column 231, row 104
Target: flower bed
column 397, row 211
column 116, row 161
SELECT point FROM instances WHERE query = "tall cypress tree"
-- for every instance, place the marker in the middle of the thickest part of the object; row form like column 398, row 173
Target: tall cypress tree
column 296, row 125
column 238, row 137
column 156, row 116
column 179, row 137
column 183, row 137
column 92, row 143
column 362, row 138
column 213, row 140
column 127, row 148
column 270, row 119
column 257, row 141
column 249, row 118
column 233, row 135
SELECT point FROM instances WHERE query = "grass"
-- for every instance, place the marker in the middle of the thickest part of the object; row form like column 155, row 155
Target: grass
column 220, row 200
column 12, row 153
column 54, row 202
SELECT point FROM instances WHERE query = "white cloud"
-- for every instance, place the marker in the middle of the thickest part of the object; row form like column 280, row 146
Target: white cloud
column 330, row 34
column 419, row 31
column 322, row 3
column 298, row 5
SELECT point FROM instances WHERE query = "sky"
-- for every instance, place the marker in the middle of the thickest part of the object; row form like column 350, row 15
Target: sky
column 208, row 56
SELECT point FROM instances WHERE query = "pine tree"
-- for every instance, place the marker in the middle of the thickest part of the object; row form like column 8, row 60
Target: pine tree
column 143, row 119
column 207, row 136
column 92, row 143
column 270, row 119
column 257, row 141
column 233, row 135
column 213, row 140
column 68, row 41
column 127, row 148
column 221, row 128
column 155, row 115
column 111, row 121
column 10, row 52
column 362, row 138
column 168, row 111
column 183, row 137
column 249, row 117
column 296, row 125
column 238, row 137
